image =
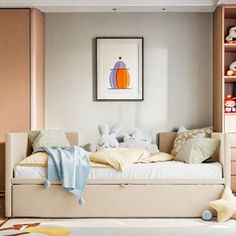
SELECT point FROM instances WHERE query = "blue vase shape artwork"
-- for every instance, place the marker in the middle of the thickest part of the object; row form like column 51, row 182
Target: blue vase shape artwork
column 119, row 76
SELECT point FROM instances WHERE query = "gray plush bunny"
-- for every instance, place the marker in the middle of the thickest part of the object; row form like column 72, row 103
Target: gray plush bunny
column 108, row 139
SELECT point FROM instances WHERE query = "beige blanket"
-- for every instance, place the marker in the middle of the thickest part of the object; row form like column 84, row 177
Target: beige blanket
column 121, row 158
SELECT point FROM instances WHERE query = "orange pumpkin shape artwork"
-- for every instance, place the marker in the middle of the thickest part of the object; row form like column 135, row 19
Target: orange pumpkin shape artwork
column 119, row 77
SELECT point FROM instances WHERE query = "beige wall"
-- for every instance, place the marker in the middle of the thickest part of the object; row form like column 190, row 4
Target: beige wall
column 177, row 65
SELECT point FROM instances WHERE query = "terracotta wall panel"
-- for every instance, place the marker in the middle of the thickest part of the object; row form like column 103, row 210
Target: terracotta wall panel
column 37, row 69
column 14, row 75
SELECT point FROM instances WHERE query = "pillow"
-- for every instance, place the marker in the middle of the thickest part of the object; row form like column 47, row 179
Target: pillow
column 119, row 158
column 225, row 206
column 32, row 135
column 197, row 150
column 159, row 157
column 182, row 129
column 36, row 159
column 51, row 138
column 181, row 137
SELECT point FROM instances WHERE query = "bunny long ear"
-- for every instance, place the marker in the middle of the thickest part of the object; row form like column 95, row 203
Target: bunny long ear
column 116, row 128
column 103, row 129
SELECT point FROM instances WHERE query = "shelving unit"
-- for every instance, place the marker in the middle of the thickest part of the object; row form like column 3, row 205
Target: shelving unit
column 224, row 55
column 230, row 47
column 230, row 79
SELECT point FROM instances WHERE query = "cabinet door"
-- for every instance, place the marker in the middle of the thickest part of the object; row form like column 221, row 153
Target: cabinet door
column 14, row 76
column 230, row 123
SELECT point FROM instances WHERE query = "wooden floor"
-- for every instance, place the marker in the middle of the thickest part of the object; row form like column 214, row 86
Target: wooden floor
column 2, row 210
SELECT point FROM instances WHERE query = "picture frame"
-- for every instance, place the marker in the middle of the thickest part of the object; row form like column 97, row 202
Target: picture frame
column 119, row 69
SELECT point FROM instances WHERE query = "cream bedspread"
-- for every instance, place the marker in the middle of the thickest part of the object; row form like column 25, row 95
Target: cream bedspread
column 117, row 158
column 121, row 158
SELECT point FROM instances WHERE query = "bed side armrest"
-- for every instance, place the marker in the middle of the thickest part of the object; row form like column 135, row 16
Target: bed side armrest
column 17, row 148
column 73, row 138
column 166, row 141
column 224, row 155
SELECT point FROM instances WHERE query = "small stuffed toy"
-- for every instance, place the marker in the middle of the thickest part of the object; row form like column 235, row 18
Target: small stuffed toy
column 231, row 38
column 138, row 140
column 232, row 69
column 108, row 139
column 230, row 104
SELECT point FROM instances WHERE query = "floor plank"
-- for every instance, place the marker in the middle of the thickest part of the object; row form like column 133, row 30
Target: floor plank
column 2, row 209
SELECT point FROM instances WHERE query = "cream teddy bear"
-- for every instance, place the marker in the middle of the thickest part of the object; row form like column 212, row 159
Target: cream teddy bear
column 139, row 140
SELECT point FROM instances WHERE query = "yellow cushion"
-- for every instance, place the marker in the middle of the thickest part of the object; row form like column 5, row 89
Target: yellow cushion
column 226, row 206
column 36, row 159
column 119, row 158
column 157, row 157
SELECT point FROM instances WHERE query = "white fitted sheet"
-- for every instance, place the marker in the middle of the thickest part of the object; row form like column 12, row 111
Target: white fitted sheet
column 160, row 170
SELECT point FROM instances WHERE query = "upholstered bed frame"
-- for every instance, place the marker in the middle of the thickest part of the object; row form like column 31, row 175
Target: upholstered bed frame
column 112, row 198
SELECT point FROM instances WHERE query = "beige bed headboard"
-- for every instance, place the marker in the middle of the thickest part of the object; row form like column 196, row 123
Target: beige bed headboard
column 165, row 141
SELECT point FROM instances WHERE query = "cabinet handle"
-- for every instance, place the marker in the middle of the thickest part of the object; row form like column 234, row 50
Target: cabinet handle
column 123, row 185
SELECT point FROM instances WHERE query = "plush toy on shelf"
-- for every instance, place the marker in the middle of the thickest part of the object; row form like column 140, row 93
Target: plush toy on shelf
column 231, row 38
column 230, row 104
column 232, row 69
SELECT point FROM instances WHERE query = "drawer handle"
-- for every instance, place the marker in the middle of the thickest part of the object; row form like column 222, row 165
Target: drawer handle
column 123, row 185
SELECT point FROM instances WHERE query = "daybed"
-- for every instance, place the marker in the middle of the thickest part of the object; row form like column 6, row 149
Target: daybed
column 116, row 197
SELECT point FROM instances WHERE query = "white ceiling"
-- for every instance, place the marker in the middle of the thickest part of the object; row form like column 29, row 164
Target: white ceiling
column 119, row 5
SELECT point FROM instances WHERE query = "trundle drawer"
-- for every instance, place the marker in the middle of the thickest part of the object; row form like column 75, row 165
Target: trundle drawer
column 114, row 201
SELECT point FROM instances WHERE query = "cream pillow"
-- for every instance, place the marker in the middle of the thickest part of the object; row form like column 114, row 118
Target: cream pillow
column 36, row 159
column 32, row 135
column 157, row 157
column 197, row 150
column 225, row 206
column 119, row 158
column 181, row 137
column 51, row 138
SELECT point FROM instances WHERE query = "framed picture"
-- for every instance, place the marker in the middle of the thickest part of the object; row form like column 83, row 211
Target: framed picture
column 119, row 69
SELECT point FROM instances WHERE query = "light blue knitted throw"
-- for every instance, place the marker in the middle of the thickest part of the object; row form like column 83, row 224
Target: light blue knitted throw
column 68, row 165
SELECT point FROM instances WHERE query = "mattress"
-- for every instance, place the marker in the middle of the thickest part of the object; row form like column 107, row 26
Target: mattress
column 160, row 170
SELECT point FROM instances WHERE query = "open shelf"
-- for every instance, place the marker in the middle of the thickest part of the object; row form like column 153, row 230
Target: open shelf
column 224, row 85
column 230, row 47
column 230, row 11
column 230, row 79
column 230, row 113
